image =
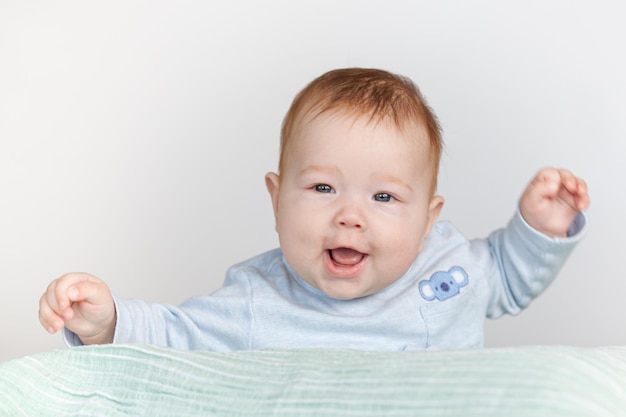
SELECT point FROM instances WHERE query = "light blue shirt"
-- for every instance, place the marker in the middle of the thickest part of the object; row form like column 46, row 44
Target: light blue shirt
column 440, row 303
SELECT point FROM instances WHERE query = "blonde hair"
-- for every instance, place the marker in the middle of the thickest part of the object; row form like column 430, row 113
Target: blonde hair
column 365, row 92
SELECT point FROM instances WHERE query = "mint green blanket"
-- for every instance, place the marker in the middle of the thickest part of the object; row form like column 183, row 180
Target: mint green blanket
column 118, row 380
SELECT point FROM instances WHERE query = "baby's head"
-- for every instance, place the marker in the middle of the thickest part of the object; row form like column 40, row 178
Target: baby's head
column 362, row 92
column 354, row 197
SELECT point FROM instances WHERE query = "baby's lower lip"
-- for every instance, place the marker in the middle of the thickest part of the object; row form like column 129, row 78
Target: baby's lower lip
column 342, row 270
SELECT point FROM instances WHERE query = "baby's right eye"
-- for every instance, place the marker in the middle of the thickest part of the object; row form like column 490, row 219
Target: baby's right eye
column 323, row 188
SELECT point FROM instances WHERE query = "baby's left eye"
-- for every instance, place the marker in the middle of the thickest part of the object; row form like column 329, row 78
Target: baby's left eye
column 384, row 197
column 323, row 188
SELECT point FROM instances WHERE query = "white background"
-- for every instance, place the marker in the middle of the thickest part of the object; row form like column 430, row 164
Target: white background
column 134, row 136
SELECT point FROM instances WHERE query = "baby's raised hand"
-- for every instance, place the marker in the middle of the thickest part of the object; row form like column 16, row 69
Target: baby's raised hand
column 552, row 200
column 83, row 304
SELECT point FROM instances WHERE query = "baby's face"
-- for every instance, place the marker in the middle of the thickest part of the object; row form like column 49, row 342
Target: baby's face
column 353, row 204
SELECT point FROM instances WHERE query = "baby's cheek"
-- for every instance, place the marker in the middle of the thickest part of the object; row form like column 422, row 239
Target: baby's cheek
column 402, row 255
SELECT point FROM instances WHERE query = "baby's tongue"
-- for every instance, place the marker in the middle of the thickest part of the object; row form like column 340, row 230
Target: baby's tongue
column 346, row 256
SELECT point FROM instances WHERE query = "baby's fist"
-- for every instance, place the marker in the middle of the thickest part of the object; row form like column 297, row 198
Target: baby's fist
column 552, row 200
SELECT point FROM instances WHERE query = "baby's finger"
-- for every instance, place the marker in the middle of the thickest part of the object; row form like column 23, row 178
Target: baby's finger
column 582, row 195
column 545, row 184
column 569, row 181
column 51, row 299
column 51, row 313
column 50, row 321
column 90, row 290
column 576, row 188
column 63, row 287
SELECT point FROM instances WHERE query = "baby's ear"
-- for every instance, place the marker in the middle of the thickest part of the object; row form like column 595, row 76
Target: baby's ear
column 434, row 209
column 272, row 182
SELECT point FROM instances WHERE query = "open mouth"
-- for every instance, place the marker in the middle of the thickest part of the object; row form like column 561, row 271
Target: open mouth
column 346, row 256
column 345, row 262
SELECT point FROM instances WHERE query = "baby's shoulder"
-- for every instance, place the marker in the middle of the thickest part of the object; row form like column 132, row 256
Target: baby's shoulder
column 445, row 232
column 265, row 264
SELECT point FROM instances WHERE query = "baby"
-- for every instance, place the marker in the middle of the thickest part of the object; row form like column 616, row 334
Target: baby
column 363, row 262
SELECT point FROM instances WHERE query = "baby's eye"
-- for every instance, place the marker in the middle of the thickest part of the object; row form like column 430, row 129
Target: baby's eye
column 323, row 188
column 384, row 197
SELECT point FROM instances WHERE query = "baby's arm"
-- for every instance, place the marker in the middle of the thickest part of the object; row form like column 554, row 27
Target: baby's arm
column 83, row 304
column 552, row 200
column 531, row 250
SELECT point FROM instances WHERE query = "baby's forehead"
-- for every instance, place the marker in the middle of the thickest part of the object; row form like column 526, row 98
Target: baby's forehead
column 326, row 132
column 409, row 129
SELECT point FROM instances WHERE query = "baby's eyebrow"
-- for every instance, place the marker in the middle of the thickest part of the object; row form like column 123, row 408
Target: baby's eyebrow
column 319, row 169
column 389, row 178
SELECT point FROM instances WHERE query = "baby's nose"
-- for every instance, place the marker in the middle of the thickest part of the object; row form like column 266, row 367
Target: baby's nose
column 351, row 217
column 350, row 223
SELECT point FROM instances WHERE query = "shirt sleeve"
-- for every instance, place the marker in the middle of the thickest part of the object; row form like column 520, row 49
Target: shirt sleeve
column 525, row 262
column 217, row 322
